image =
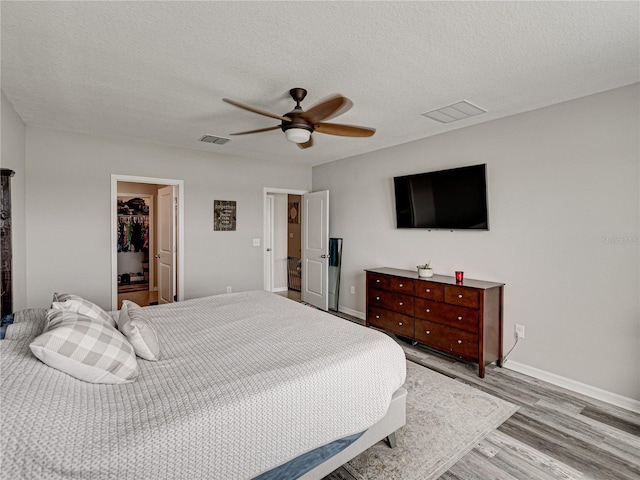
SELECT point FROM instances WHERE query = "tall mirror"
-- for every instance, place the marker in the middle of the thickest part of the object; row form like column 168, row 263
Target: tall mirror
column 335, row 260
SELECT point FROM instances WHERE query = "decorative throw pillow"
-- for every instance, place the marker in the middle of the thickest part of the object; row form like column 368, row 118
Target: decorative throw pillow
column 85, row 349
column 75, row 303
column 135, row 323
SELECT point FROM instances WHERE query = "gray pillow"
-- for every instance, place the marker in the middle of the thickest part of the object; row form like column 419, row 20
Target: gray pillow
column 75, row 303
column 135, row 323
column 85, row 349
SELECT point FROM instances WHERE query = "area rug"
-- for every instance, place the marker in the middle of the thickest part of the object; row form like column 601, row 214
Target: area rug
column 445, row 420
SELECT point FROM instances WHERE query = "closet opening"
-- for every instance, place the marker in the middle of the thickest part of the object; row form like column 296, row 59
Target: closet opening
column 136, row 224
column 147, row 245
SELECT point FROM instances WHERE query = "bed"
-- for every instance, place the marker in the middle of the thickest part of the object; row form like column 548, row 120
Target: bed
column 246, row 383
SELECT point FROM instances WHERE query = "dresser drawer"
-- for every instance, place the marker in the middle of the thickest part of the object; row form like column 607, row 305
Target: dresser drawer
column 430, row 290
column 375, row 280
column 450, row 340
column 449, row 315
column 396, row 302
column 433, row 335
column 402, row 285
column 391, row 321
column 467, row 297
column 465, row 345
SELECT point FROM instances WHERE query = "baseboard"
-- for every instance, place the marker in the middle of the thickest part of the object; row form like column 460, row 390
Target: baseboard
column 279, row 289
column 353, row 313
column 578, row 387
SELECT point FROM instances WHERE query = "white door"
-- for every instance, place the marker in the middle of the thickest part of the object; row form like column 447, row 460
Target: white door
column 166, row 256
column 315, row 249
column 268, row 244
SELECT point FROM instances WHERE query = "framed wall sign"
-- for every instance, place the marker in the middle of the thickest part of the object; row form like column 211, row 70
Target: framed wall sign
column 294, row 212
column 224, row 215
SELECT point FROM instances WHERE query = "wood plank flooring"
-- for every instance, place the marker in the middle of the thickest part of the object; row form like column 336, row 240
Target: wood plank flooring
column 143, row 298
column 556, row 434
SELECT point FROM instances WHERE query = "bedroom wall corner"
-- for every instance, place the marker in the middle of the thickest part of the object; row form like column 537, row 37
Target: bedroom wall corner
column 13, row 156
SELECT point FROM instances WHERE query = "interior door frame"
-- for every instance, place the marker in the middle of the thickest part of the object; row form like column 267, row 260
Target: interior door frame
column 115, row 178
column 266, row 232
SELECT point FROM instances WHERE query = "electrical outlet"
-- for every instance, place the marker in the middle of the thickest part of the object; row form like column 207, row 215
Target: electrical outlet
column 519, row 331
column 353, row 290
column 229, row 289
column 256, row 242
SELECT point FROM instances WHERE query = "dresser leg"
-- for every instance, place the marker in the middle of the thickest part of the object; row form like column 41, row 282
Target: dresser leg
column 481, row 371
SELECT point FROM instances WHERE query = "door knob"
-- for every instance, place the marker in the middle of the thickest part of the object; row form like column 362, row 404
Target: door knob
column 325, row 256
column 157, row 256
column 268, row 249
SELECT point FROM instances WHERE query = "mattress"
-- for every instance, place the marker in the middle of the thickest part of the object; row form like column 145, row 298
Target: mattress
column 246, row 382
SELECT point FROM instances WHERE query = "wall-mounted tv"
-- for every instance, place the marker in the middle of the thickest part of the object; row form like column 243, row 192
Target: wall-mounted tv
column 454, row 199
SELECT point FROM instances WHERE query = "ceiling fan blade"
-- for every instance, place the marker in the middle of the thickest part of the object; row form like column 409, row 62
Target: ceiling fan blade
column 344, row 108
column 255, row 110
column 344, row 130
column 267, row 129
column 307, row 144
column 325, row 108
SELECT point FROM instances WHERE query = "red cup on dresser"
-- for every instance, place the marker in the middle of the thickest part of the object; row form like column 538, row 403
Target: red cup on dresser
column 459, row 276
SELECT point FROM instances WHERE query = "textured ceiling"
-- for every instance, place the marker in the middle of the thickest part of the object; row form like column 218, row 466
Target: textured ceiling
column 157, row 71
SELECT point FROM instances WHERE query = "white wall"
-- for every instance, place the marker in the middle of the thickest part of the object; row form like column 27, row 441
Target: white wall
column 562, row 182
column 12, row 138
column 68, row 227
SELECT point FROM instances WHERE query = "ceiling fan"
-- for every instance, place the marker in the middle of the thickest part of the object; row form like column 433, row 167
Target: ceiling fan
column 298, row 125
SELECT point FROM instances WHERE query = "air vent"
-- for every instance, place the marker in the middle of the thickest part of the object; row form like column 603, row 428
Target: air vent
column 454, row 112
column 214, row 139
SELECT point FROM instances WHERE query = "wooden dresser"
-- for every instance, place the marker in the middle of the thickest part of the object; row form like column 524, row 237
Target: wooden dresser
column 460, row 319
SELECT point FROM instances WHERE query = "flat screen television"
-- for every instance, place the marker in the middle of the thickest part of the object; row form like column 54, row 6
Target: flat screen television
column 454, row 199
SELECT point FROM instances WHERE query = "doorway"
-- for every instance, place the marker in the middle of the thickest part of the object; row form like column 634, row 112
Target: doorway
column 147, row 245
column 136, row 230
column 282, row 242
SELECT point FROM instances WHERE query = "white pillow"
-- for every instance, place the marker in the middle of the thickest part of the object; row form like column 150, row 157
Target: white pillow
column 85, row 349
column 135, row 323
column 75, row 303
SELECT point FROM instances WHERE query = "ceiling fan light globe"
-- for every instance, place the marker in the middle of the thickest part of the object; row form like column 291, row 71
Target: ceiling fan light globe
column 298, row 135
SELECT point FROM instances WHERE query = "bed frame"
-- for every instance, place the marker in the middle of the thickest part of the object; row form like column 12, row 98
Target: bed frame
column 384, row 429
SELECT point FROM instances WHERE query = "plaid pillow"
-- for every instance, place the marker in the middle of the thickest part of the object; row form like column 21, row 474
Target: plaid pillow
column 75, row 303
column 85, row 349
column 135, row 323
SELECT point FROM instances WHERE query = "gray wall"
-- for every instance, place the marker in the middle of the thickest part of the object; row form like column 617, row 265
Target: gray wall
column 564, row 210
column 13, row 157
column 68, row 226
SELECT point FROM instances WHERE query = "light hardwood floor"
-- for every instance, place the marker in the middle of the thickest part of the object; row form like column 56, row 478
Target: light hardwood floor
column 556, row 434
column 143, row 298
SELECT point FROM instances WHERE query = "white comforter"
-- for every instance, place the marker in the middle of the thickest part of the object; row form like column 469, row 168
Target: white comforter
column 246, row 382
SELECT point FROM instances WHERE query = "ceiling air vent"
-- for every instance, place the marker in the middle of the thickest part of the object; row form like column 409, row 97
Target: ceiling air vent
column 454, row 112
column 214, row 139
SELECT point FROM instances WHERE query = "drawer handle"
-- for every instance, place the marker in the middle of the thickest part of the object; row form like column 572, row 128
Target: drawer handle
column 428, row 290
column 377, row 298
column 460, row 296
column 378, row 280
column 428, row 332
column 377, row 316
column 401, row 285
column 459, row 341
column 400, row 303
column 400, row 323
column 459, row 318
column 428, row 310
